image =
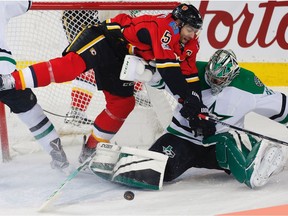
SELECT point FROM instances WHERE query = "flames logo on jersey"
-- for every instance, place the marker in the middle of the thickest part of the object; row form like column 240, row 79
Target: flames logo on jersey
column 189, row 52
column 182, row 58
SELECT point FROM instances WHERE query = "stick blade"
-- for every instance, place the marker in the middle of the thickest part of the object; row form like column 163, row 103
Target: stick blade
column 48, row 204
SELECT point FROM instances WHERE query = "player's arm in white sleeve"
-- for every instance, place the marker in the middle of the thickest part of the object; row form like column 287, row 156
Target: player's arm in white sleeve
column 15, row 8
column 273, row 105
column 268, row 103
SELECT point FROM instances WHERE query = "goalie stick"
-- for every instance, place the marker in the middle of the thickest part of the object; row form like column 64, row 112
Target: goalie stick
column 48, row 202
column 207, row 118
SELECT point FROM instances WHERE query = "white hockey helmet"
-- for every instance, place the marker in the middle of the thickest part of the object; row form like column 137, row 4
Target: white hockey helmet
column 221, row 69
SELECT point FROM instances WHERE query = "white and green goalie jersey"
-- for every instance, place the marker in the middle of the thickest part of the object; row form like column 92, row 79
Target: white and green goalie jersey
column 245, row 94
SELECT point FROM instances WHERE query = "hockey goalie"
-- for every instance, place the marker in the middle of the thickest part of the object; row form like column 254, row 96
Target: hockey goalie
column 250, row 159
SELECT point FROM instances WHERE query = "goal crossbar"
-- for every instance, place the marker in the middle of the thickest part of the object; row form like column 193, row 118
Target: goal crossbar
column 105, row 5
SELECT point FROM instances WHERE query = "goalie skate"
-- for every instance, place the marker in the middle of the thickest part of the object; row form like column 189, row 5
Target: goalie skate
column 270, row 160
column 77, row 117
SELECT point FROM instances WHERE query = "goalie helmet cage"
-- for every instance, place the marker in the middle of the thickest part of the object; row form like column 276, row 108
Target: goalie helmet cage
column 43, row 33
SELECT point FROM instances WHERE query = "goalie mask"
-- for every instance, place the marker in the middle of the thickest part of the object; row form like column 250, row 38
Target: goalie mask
column 188, row 14
column 221, row 69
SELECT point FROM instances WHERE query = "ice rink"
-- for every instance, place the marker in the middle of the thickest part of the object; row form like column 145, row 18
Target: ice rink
column 27, row 180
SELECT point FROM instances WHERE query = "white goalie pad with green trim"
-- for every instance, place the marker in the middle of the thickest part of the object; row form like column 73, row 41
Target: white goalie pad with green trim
column 251, row 161
column 103, row 162
column 269, row 160
column 129, row 166
column 140, row 168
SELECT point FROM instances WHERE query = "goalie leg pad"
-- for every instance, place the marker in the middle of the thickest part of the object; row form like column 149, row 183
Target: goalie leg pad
column 132, row 167
column 230, row 157
column 140, row 168
column 237, row 155
column 253, row 167
column 103, row 162
column 270, row 160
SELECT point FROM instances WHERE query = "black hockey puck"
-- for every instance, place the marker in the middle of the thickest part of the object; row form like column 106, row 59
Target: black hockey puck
column 129, row 195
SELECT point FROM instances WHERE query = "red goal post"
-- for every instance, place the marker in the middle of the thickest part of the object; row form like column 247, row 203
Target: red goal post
column 37, row 36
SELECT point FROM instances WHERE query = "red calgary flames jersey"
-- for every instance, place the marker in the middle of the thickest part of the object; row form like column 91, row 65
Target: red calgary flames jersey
column 156, row 37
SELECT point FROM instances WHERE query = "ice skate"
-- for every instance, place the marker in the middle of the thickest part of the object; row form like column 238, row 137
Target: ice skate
column 85, row 152
column 59, row 159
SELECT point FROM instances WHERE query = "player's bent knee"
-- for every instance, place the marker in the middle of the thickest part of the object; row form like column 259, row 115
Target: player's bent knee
column 121, row 106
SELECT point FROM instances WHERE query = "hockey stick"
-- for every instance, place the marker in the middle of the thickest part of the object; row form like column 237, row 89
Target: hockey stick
column 86, row 121
column 48, row 202
column 207, row 118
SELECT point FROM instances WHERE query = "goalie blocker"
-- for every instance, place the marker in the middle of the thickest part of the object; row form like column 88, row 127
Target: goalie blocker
column 129, row 166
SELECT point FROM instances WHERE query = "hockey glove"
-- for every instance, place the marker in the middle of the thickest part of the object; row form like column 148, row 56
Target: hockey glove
column 7, row 82
column 191, row 106
column 207, row 128
column 202, row 127
column 135, row 68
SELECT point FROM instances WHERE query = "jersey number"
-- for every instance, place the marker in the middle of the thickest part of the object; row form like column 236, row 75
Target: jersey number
column 166, row 38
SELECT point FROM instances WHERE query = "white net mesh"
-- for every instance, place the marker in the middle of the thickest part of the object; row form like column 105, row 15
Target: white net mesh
column 42, row 35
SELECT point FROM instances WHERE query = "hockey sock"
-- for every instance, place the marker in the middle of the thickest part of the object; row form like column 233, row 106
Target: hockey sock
column 40, row 126
column 109, row 121
column 56, row 70
column 104, row 129
column 117, row 110
column 93, row 140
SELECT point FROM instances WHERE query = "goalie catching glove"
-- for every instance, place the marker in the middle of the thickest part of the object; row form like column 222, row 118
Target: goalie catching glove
column 192, row 107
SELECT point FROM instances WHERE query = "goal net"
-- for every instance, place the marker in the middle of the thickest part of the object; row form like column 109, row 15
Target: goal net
column 43, row 33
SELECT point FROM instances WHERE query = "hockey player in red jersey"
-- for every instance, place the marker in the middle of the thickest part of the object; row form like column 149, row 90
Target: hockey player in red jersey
column 166, row 39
